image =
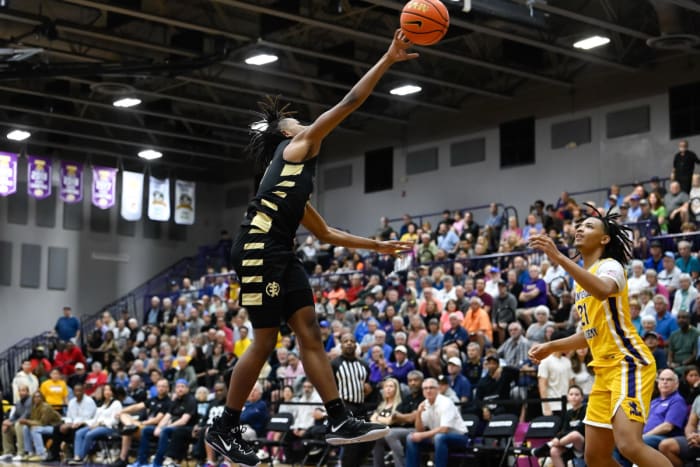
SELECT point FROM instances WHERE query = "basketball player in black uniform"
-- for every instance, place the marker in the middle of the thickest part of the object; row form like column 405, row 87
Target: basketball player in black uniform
column 274, row 285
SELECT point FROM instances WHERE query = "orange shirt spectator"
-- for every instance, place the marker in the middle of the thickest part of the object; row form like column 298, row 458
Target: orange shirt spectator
column 476, row 319
column 335, row 294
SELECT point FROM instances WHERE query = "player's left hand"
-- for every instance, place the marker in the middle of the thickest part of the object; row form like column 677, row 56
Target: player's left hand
column 398, row 49
column 394, row 247
column 543, row 243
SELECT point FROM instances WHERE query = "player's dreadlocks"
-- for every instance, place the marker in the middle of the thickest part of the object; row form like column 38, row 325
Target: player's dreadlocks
column 265, row 134
column 619, row 247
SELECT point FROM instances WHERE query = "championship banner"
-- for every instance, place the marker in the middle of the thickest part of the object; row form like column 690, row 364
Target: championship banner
column 71, row 182
column 159, row 199
column 8, row 173
column 39, row 181
column 132, row 196
column 104, row 183
column 184, row 202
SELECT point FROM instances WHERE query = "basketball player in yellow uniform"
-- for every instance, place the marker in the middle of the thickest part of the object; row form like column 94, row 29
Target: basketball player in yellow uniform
column 624, row 367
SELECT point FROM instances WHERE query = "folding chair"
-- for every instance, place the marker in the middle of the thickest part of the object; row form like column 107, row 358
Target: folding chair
column 471, row 423
column 281, row 423
column 540, row 430
column 497, row 438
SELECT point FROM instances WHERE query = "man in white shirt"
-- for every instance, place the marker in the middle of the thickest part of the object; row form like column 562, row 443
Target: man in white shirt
column 554, row 376
column 670, row 274
column 305, row 415
column 438, row 424
column 80, row 409
column 684, row 296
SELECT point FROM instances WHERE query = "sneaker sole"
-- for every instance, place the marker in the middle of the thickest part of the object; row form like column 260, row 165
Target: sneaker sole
column 372, row 435
column 224, row 454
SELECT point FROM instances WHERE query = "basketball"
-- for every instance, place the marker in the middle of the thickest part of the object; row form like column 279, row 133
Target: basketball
column 425, row 22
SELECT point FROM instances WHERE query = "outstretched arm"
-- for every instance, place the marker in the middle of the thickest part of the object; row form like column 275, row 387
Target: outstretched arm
column 313, row 221
column 307, row 144
column 600, row 287
column 539, row 352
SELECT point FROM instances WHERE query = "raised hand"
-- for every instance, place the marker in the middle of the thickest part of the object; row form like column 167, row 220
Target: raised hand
column 539, row 352
column 394, row 247
column 398, row 50
column 544, row 244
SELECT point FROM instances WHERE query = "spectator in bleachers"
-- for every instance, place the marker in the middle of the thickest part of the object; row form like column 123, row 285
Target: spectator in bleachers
column 635, row 209
column 514, row 350
column 491, row 386
column 683, row 166
column 12, row 438
column 532, row 226
column 54, row 389
column 438, row 423
column 667, row 414
column 683, row 344
column 682, row 449
column 534, row 293
column 485, row 297
column 584, row 375
column 504, row 308
column 654, row 285
column 429, row 359
column 670, row 274
column 416, row 333
column 554, row 376
column 447, row 239
column 658, row 210
column 456, row 333
column 656, row 255
column 665, row 322
column 401, row 363
column 637, row 280
column 427, row 250
column 95, row 379
column 635, row 315
column 391, row 400
column 448, row 291
column 568, row 443
column 625, row 213
column 684, row 296
column 172, row 431
column 41, row 420
column 674, row 201
column 537, row 330
column 689, row 386
column 67, row 326
column 686, row 262
column 24, row 377
column 477, row 323
column 39, row 363
column 67, row 357
column 457, row 381
column 651, row 339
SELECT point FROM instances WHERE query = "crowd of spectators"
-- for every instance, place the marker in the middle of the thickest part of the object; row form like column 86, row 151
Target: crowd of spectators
column 443, row 335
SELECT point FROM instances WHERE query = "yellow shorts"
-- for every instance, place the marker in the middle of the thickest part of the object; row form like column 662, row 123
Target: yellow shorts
column 627, row 386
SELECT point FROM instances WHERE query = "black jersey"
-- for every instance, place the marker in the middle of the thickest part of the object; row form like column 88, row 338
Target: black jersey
column 279, row 204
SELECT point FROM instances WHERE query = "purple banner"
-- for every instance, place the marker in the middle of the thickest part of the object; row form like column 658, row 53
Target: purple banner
column 104, row 186
column 8, row 173
column 39, row 177
column 71, row 182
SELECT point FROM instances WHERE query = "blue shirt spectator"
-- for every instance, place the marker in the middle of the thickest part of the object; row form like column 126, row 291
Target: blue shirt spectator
column 68, row 326
column 458, row 382
column 402, row 366
column 255, row 413
column 665, row 325
column 534, row 290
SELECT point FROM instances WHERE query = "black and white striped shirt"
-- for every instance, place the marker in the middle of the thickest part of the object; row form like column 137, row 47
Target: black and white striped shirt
column 350, row 376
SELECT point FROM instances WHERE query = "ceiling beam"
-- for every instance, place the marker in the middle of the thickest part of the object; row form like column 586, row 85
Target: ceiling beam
column 586, row 57
column 373, row 38
column 687, row 4
column 290, row 48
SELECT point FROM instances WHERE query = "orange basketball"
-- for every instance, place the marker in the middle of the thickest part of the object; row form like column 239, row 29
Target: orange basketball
column 425, row 22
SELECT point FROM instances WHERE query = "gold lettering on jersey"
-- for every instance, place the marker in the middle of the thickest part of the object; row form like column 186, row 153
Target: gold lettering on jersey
column 287, row 183
column 281, row 194
column 251, row 299
column 268, row 204
column 252, row 262
column 251, row 279
column 292, row 169
column 254, row 246
column 262, row 221
column 590, row 333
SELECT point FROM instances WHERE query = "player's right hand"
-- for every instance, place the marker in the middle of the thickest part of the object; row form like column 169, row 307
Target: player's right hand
column 539, row 352
column 394, row 247
column 398, row 49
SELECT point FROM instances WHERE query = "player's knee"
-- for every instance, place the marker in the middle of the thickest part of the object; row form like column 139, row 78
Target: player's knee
column 630, row 448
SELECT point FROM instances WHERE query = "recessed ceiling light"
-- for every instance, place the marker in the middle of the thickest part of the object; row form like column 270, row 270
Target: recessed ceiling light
column 405, row 90
column 150, row 154
column 261, row 59
column 18, row 135
column 126, row 102
column 591, row 42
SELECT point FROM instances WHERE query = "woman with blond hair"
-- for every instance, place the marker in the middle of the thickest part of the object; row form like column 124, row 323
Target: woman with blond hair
column 384, row 414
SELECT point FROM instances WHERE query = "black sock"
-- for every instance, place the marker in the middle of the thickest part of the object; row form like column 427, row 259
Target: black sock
column 336, row 411
column 230, row 417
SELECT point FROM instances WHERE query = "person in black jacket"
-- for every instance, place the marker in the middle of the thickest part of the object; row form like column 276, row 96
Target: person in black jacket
column 569, row 441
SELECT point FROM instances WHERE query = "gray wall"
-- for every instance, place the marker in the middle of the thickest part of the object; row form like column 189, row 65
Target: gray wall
column 597, row 164
column 90, row 282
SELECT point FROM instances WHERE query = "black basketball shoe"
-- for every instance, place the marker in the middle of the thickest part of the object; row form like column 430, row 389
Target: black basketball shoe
column 354, row 430
column 231, row 445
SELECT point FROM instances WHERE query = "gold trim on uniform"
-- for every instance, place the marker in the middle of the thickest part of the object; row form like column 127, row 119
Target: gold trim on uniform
column 287, row 183
column 268, row 204
column 251, row 299
column 252, row 262
column 262, row 221
column 254, row 246
column 256, row 231
column 251, row 279
column 292, row 169
column 281, row 194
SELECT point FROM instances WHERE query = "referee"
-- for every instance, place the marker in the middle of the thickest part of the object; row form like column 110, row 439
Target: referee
column 352, row 378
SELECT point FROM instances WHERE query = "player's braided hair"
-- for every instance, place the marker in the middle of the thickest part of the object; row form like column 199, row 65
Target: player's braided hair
column 619, row 247
column 265, row 134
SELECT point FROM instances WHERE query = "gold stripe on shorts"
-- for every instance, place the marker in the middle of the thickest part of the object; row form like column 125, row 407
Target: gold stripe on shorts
column 252, row 262
column 281, row 194
column 287, row 183
column 256, row 231
column 251, row 299
column 251, row 279
column 254, row 246
column 262, row 221
column 268, row 204
column 292, row 169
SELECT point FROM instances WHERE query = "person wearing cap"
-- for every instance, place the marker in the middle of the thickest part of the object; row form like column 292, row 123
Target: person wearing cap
column 656, row 255
column 67, row 326
column 652, row 339
column 671, row 273
column 445, row 389
column 81, row 408
column 477, row 323
column 613, row 200
column 172, row 431
column 438, row 424
column 401, row 365
column 624, row 212
column 635, row 210
column 458, row 382
column 456, row 333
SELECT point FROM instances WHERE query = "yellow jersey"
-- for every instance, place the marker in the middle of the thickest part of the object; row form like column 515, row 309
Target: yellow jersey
column 606, row 323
